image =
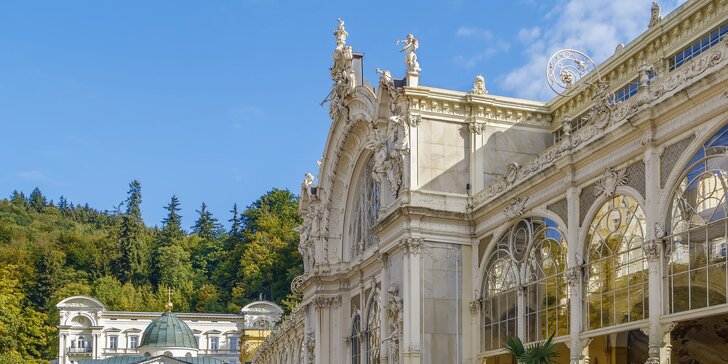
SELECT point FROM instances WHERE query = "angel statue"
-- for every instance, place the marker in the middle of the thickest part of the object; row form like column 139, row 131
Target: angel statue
column 410, row 58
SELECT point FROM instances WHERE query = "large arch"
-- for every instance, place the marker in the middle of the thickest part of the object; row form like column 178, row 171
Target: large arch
column 528, row 259
column 695, row 254
column 615, row 281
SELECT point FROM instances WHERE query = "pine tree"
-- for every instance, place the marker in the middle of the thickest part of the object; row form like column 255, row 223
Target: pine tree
column 63, row 204
column 206, row 225
column 235, row 221
column 37, row 201
column 18, row 199
column 172, row 224
column 132, row 263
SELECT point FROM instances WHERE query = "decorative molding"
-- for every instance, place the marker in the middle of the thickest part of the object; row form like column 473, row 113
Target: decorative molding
column 310, row 344
column 610, row 180
column 476, row 127
column 603, row 115
column 414, row 347
column 516, row 207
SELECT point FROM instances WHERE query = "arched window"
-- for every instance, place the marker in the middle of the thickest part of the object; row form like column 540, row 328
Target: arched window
column 356, row 340
column 695, row 250
column 616, row 282
column 366, row 212
column 547, row 293
column 537, row 248
column 372, row 333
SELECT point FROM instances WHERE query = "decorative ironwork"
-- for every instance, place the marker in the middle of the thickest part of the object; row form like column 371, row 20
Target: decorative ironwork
column 565, row 68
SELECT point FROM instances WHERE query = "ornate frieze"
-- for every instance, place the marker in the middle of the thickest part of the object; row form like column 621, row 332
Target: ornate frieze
column 610, row 180
column 516, row 207
column 326, row 302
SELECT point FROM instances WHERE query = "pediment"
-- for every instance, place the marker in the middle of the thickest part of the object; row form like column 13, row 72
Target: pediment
column 80, row 303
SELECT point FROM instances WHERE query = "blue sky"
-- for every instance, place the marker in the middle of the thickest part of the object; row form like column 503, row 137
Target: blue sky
column 218, row 101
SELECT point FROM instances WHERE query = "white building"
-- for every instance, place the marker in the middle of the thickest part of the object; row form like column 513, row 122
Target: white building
column 443, row 221
column 88, row 331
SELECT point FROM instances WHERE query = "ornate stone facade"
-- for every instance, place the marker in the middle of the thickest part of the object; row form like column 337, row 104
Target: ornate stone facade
column 568, row 230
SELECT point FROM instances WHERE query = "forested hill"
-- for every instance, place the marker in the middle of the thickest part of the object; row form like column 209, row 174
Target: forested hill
column 49, row 251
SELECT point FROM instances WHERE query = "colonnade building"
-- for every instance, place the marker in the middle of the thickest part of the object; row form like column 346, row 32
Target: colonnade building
column 441, row 221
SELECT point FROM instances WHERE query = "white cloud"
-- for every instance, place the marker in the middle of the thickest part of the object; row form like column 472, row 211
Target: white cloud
column 31, row 175
column 494, row 45
column 474, row 32
column 595, row 27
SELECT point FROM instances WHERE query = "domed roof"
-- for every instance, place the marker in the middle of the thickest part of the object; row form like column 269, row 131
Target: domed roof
column 168, row 331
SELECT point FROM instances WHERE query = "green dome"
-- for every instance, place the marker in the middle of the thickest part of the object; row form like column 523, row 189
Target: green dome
column 168, row 331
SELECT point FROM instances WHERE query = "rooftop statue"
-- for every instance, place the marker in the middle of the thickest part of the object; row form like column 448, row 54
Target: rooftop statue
column 654, row 14
column 479, row 86
column 342, row 72
column 410, row 58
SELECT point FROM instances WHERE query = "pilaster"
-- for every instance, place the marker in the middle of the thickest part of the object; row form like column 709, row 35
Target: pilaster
column 412, row 335
column 383, row 317
column 653, row 247
column 574, row 272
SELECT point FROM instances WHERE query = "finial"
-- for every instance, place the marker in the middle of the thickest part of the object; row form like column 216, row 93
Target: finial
column 169, row 304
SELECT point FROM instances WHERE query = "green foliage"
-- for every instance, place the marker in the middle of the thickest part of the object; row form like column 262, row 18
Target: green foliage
column 543, row 352
column 51, row 252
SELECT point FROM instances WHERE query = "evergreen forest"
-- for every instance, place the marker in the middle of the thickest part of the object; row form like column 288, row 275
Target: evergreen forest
column 50, row 250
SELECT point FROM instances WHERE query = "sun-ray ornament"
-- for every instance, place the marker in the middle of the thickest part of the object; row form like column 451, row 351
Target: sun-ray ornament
column 566, row 67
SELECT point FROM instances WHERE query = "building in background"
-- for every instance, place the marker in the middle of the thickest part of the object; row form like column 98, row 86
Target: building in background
column 88, row 333
column 443, row 221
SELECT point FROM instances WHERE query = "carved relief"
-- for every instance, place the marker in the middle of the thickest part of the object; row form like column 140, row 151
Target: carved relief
column 610, row 180
column 394, row 314
column 412, row 246
column 651, row 250
column 516, row 207
column 572, row 276
column 310, row 345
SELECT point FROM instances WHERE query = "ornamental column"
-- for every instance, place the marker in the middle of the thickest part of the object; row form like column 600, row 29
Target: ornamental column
column 574, row 273
column 383, row 317
column 652, row 246
column 411, row 338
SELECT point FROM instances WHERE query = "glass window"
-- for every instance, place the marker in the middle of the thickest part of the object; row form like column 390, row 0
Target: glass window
column 233, row 340
column 537, row 247
column 133, row 342
column 695, row 251
column 214, row 343
column 616, row 283
column 113, row 342
column 356, row 340
column 372, row 333
column 368, row 203
column 698, row 47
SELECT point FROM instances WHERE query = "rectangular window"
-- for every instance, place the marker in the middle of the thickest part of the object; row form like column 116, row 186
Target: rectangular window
column 626, row 92
column 233, row 343
column 113, row 342
column 698, row 47
column 133, row 342
column 214, row 343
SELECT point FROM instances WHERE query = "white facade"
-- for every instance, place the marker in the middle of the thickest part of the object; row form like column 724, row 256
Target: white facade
column 88, row 331
column 442, row 221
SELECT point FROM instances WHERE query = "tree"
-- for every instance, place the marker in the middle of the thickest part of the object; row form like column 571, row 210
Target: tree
column 173, row 265
column 235, row 223
column 270, row 259
column 23, row 332
column 206, row 225
column 172, row 224
column 208, row 299
column 37, row 201
column 538, row 353
column 132, row 263
column 18, row 199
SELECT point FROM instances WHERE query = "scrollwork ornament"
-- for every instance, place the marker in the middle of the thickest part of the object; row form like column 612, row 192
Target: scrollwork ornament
column 516, row 207
column 297, row 284
column 565, row 68
column 610, row 180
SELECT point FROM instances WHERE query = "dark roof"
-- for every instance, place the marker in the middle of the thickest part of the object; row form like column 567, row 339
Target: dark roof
column 168, row 331
column 143, row 359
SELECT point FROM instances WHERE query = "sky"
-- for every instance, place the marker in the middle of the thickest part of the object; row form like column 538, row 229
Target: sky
column 218, row 101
